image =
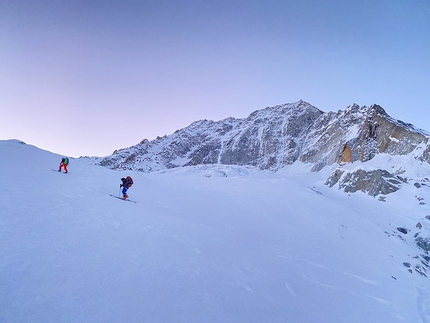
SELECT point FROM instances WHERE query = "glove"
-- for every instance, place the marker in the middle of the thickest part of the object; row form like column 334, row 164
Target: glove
column 120, row 185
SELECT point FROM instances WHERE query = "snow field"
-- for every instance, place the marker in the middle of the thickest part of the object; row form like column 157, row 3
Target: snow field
column 202, row 244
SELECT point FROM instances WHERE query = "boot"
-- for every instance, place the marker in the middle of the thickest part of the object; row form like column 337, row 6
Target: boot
column 125, row 196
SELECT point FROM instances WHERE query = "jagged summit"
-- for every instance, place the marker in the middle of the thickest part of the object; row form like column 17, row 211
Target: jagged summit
column 274, row 137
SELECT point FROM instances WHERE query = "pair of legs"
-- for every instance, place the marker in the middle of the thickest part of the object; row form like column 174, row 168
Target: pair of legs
column 124, row 192
column 65, row 168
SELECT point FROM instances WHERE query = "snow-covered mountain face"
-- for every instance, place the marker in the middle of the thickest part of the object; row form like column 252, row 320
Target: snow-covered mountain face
column 275, row 137
column 268, row 139
column 278, row 136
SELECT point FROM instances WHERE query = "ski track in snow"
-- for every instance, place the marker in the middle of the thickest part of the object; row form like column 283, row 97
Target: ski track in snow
column 289, row 289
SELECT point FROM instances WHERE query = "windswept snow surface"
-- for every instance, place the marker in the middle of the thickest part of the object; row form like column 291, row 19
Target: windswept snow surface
column 202, row 244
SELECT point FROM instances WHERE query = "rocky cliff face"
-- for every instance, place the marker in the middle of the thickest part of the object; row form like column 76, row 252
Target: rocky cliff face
column 358, row 134
column 278, row 136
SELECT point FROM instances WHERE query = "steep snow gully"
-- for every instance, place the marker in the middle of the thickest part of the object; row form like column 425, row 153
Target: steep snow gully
column 208, row 243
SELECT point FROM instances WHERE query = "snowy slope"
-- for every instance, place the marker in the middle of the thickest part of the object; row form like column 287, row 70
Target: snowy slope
column 203, row 244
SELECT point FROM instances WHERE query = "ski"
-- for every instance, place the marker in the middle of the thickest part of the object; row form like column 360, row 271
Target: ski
column 56, row 170
column 120, row 198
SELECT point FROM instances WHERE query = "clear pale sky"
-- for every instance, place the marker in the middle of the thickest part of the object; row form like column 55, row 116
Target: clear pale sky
column 88, row 77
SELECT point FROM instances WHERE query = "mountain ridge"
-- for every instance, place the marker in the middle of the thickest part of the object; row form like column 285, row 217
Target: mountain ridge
column 275, row 137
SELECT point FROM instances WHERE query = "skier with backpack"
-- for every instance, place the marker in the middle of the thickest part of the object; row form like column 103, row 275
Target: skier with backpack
column 64, row 163
column 126, row 184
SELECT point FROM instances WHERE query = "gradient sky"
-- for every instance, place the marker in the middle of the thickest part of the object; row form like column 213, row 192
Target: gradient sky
column 88, row 77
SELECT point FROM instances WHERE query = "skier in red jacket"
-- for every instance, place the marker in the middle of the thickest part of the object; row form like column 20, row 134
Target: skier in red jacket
column 64, row 163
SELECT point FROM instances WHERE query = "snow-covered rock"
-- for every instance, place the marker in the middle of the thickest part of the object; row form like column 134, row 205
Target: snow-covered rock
column 373, row 182
column 278, row 136
column 268, row 139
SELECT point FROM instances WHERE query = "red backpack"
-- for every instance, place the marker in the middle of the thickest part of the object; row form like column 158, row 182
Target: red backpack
column 129, row 181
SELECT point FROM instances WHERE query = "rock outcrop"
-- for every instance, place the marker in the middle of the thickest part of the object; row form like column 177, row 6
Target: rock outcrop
column 372, row 182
